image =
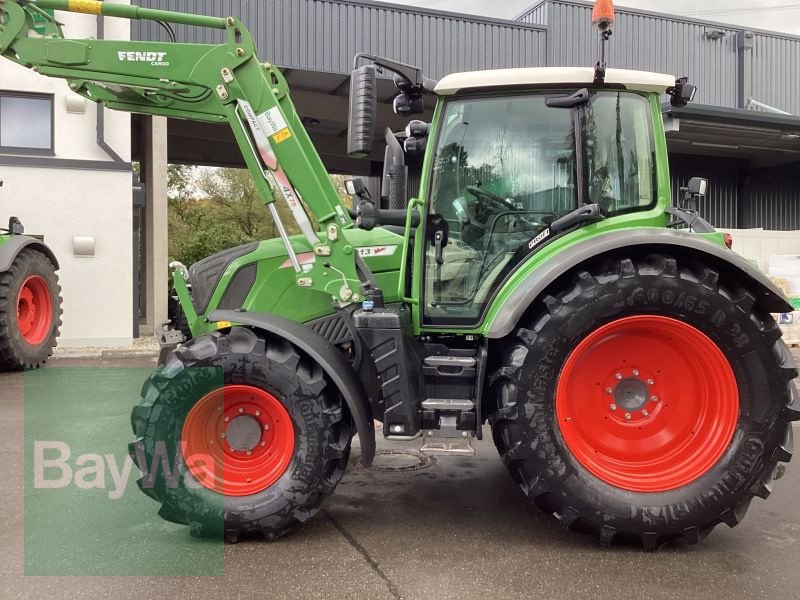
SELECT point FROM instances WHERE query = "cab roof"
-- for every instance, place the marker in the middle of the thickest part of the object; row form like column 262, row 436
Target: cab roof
column 642, row 81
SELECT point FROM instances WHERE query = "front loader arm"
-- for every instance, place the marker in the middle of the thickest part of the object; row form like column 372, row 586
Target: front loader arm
column 213, row 83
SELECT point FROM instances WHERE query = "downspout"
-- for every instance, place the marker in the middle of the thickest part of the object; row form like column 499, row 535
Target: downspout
column 744, row 44
column 101, row 109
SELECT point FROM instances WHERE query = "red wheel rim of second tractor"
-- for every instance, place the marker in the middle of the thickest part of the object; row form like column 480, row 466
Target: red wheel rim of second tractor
column 647, row 403
column 34, row 310
column 238, row 440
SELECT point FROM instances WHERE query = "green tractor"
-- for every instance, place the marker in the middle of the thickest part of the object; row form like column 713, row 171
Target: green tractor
column 625, row 358
column 30, row 299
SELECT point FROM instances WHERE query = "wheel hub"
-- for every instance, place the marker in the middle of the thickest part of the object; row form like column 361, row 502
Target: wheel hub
column 631, row 394
column 238, row 440
column 647, row 403
column 243, row 433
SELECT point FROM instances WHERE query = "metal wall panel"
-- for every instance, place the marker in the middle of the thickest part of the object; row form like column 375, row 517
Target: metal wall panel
column 721, row 204
column 774, row 72
column 772, row 199
column 536, row 15
column 325, row 35
column 649, row 42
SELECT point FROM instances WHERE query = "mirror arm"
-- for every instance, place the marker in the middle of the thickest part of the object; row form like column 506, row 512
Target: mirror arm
column 411, row 74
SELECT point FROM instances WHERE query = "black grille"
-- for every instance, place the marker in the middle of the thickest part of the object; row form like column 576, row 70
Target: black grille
column 205, row 275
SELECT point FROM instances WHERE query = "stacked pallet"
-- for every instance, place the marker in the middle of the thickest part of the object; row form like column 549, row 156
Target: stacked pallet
column 784, row 270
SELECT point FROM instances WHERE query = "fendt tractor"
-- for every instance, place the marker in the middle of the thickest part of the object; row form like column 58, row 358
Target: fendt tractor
column 30, row 299
column 625, row 358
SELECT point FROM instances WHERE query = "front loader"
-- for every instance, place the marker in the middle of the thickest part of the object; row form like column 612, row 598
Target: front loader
column 625, row 358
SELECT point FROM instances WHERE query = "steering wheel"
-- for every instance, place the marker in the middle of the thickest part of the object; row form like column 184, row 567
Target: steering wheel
column 494, row 198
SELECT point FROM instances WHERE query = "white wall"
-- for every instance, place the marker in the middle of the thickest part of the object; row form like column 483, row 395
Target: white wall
column 62, row 203
column 759, row 245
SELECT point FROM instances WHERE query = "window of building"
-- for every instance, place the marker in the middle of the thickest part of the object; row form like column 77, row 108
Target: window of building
column 26, row 123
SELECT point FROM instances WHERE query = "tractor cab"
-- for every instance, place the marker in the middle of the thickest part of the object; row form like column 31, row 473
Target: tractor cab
column 516, row 158
column 522, row 157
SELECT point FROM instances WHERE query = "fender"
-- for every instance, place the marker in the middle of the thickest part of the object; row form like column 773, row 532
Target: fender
column 767, row 294
column 329, row 358
column 15, row 244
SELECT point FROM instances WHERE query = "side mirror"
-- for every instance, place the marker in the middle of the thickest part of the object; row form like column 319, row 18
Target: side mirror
column 682, row 92
column 363, row 111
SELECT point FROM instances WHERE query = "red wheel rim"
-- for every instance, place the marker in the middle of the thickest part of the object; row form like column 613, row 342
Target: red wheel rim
column 238, row 440
column 647, row 403
column 34, row 310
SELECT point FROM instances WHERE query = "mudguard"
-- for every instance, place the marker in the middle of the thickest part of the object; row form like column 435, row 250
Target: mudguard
column 10, row 250
column 636, row 240
column 329, row 358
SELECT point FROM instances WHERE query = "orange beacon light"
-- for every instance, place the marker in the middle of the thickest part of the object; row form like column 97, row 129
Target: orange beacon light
column 603, row 14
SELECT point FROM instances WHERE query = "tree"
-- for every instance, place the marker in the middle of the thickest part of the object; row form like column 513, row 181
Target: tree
column 211, row 210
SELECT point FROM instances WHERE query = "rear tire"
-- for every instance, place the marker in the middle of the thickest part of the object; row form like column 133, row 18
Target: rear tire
column 316, row 443
column 601, row 496
column 30, row 312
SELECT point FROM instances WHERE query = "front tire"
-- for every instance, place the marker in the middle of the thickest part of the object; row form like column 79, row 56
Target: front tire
column 645, row 399
column 260, row 435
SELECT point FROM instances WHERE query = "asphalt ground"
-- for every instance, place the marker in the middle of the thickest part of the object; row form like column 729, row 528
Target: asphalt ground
column 457, row 528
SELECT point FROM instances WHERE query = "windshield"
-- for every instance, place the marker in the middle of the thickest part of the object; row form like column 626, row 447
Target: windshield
column 506, row 167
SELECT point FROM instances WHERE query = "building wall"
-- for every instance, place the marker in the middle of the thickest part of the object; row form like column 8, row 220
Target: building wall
column 739, row 196
column 772, row 74
column 536, row 14
column 760, row 245
column 325, row 35
column 648, row 42
column 706, row 52
column 62, row 203
column 721, row 203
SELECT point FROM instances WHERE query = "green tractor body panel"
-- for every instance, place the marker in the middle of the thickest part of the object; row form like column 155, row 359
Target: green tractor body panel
column 274, row 289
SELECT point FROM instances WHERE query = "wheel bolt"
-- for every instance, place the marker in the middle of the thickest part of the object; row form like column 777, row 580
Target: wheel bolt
column 645, row 413
column 654, row 398
column 613, row 407
column 249, row 453
column 609, row 391
column 628, row 416
column 258, row 413
column 650, row 382
column 636, row 373
column 263, row 444
column 227, row 419
column 241, row 410
column 222, row 435
column 618, row 375
column 266, row 426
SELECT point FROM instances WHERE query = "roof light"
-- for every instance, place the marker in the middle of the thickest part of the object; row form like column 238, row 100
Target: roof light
column 603, row 14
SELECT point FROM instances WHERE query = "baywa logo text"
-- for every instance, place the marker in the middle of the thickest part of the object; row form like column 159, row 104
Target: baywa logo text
column 156, row 59
column 54, row 469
